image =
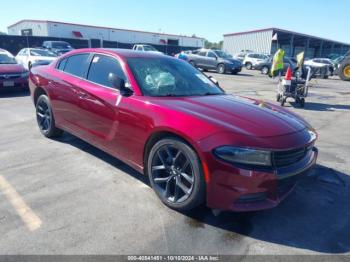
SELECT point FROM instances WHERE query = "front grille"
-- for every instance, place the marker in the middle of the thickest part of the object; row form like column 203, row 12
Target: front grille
column 9, row 76
column 286, row 158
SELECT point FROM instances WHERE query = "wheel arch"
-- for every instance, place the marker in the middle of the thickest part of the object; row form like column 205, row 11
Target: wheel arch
column 163, row 133
column 37, row 93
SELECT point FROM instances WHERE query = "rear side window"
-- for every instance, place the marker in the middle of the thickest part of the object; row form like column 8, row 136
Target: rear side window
column 101, row 67
column 62, row 64
column 75, row 65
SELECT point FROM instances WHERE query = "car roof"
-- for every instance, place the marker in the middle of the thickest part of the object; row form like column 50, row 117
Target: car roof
column 126, row 53
column 56, row 41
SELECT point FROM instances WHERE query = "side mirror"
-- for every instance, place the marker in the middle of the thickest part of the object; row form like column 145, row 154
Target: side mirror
column 216, row 82
column 119, row 83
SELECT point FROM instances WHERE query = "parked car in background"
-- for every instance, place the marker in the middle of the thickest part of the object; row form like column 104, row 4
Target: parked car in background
column 146, row 48
column 29, row 57
column 241, row 55
column 57, row 47
column 12, row 74
column 251, row 60
column 217, row 60
column 175, row 125
column 321, row 62
column 183, row 55
column 265, row 66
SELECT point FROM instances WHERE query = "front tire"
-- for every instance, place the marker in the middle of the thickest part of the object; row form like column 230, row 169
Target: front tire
column 45, row 119
column 249, row 66
column 221, row 69
column 176, row 175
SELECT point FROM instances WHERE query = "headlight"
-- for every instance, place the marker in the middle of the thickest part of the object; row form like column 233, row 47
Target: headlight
column 25, row 74
column 244, row 155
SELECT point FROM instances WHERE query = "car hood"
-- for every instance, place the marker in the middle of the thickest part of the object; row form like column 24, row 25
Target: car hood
column 232, row 60
column 11, row 68
column 239, row 114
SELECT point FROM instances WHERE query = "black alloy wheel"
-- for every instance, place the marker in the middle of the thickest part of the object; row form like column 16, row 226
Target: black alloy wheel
column 175, row 174
column 45, row 119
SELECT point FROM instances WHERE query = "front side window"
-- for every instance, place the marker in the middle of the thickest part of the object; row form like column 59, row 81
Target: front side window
column 211, row 54
column 202, row 53
column 222, row 54
column 149, row 48
column 75, row 65
column 100, row 68
column 170, row 77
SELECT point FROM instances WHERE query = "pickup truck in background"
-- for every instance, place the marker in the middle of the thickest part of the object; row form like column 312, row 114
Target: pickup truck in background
column 217, row 60
column 146, row 48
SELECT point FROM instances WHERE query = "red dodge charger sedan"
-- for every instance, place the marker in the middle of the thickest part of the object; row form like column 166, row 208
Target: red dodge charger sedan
column 172, row 123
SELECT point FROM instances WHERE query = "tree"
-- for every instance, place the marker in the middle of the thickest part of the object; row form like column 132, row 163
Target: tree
column 213, row 45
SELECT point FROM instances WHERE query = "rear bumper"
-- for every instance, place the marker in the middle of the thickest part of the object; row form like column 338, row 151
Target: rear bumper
column 236, row 189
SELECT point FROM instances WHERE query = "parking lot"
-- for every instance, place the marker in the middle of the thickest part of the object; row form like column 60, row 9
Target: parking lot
column 67, row 197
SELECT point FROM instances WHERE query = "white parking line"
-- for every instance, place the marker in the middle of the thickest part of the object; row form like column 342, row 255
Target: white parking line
column 30, row 219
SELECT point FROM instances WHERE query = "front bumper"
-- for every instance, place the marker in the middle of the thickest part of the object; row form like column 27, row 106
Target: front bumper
column 13, row 83
column 233, row 68
column 235, row 189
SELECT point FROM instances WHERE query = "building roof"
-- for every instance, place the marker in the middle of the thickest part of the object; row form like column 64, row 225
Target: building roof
column 100, row 27
column 284, row 31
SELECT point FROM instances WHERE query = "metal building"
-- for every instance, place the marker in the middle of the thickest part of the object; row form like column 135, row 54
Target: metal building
column 78, row 31
column 270, row 39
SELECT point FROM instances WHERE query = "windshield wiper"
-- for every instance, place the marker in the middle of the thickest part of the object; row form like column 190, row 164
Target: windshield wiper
column 210, row 94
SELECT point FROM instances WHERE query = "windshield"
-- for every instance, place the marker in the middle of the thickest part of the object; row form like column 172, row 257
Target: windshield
column 170, row 77
column 61, row 45
column 6, row 59
column 222, row 54
column 41, row 52
column 149, row 48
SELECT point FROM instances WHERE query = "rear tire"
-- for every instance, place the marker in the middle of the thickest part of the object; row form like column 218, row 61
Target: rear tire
column 302, row 102
column 193, row 64
column 175, row 174
column 265, row 70
column 45, row 119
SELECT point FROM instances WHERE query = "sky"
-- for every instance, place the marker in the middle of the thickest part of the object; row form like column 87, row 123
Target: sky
column 206, row 18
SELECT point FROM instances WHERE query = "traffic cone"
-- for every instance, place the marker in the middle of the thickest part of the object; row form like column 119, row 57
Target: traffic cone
column 287, row 81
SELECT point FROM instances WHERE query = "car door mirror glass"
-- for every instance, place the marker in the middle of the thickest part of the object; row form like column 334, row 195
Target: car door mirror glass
column 116, row 81
column 119, row 83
